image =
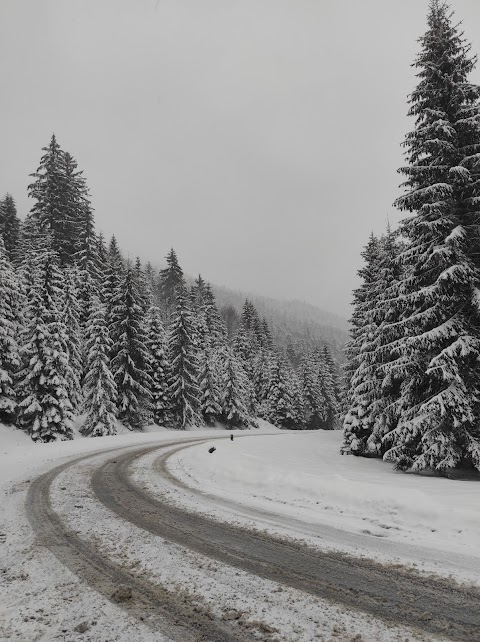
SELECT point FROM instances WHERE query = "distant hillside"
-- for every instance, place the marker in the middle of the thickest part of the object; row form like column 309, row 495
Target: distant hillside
column 291, row 321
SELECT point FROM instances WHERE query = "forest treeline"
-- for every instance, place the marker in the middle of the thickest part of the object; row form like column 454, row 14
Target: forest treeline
column 413, row 367
column 83, row 331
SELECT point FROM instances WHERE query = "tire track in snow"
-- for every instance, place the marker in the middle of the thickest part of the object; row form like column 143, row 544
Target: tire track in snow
column 399, row 597
column 162, row 610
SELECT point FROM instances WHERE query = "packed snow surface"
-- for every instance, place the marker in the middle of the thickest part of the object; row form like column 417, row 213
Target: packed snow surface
column 299, row 475
column 302, row 475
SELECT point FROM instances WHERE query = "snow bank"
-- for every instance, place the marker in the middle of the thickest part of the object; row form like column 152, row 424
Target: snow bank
column 303, row 475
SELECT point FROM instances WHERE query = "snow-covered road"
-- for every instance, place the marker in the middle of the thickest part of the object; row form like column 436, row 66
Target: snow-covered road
column 122, row 524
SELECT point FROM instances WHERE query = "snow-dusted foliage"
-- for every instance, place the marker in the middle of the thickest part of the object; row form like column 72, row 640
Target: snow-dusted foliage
column 440, row 347
column 413, row 361
column 9, row 227
column 280, row 407
column 171, row 283
column 9, row 351
column 61, row 199
column 130, row 355
column 99, row 385
column 313, row 399
column 71, row 319
column 44, row 406
column 184, row 390
column 234, row 390
column 91, row 328
column 158, row 368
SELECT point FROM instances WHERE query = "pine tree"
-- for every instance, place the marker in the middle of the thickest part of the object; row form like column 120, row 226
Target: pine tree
column 328, row 392
column 440, row 349
column 78, row 214
column 171, row 281
column 184, row 373
column 209, row 392
column 9, row 350
column 234, row 391
column 279, row 400
column 130, row 355
column 313, row 400
column 61, row 196
column 158, row 368
column 216, row 327
column 44, row 408
column 112, row 277
column 99, row 385
column 88, row 263
column 10, row 227
column 71, row 319
column 358, row 398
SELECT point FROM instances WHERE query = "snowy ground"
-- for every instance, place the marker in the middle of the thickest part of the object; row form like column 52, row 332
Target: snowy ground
column 302, row 476
column 296, row 476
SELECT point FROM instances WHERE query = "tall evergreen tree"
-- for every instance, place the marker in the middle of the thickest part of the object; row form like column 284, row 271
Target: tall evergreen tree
column 99, row 385
column 71, row 318
column 44, row 408
column 358, row 381
column 61, row 198
column 314, row 402
column 9, row 350
column 279, row 400
column 184, row 390
column 130, row 355
column 233, row 391
column 10, row 227
column 158, row 368
column 440, row 349
column 171, row 281
column 112, row 277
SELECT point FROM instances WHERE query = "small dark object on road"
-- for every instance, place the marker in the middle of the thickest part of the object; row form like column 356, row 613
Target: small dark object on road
column 231, row 437
column 212, row 449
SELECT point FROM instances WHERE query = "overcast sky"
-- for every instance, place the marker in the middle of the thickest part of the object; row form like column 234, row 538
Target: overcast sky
column 259, row 138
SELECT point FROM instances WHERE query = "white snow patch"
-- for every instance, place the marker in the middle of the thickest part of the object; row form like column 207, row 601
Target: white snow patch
column 303, row 476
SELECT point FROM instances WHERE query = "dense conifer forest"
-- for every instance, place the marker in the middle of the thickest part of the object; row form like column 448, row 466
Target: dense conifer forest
column 86, row 333
column 412, row 373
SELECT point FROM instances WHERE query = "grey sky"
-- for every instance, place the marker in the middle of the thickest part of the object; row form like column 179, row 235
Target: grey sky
column 259, row 138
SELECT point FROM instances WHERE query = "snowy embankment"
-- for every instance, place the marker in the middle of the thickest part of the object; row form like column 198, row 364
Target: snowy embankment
column 302, row 476
column 41, row 599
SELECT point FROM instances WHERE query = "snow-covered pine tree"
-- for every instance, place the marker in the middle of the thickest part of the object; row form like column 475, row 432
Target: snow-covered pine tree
column 262, row 368
column 382, row 415
column 280, row 404
column 9, row 350
column 358, row 380
column 440, row 396
column 184, row 372
column 77, row 207
column 144, row 293
column 130, row 357
column 233, row 390
column 296, row 393
column 99, row 385
column 10, row 227
column 216, row 327
column 158, row 368
column 59, row 191
column 313, row 400
column 113, row 276
column 171, row 280
column 88, row 263
column 71, row 319
column 209, row 389
column 328, row 391
column 44, row 407
column 333, row 372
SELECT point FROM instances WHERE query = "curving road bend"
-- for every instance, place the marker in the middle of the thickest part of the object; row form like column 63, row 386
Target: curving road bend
column 398, row 597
